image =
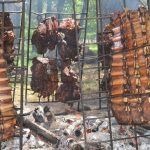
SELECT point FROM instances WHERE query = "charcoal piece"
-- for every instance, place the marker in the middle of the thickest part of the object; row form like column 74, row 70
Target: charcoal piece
column 68, row 75
column 67, row 92
column 44, row 76
column 48, row 113
column 38, row 115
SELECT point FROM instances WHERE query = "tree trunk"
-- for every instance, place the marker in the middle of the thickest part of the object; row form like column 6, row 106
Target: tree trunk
column 49, row 5
column 39, row 6
column 60, row 5
column 84, row 10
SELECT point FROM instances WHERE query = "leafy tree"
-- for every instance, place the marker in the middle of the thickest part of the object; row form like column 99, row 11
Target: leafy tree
column 49, row 5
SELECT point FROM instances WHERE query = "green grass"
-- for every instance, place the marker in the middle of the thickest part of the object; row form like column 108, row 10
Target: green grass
column 93, row 47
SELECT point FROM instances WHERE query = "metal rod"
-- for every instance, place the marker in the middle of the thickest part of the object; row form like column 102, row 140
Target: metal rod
column 12, row 1
column 84, row 41
column 148, row 4
column 85, row 34
column 14, row 12
column 100, row 30
column 98, row 51
column 15, row 81
column 22, row 76
column 136, row 141
column 80, row 78
column 61, row 13
column 2, row 34
column 124, row 3
column 100, row 17
column 28, row 50
column 120, row 139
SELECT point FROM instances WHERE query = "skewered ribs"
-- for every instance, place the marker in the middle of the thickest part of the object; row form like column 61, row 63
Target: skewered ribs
column 129, row 75
column 7, row 112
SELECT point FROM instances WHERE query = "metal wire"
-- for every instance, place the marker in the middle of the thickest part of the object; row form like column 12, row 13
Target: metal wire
column 20, row 27
column 28, row 46
column 100, row 16
column 22, row 75
column 80, row 73
column 30, row 27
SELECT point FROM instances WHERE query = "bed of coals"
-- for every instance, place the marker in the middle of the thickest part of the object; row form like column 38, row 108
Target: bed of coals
column 70, row 132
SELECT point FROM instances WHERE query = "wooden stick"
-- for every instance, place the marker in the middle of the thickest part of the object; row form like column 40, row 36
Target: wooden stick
column 41, row 131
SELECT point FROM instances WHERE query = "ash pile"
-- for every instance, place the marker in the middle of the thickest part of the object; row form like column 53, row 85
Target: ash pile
column 66, row 132
column 30, row 141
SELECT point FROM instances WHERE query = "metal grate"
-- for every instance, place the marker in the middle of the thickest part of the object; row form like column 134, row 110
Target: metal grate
column 94, row 89
column 31, row 50
column 17, row 75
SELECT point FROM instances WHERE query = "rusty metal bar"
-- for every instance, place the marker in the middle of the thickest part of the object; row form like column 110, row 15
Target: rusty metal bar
column 22, row 75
